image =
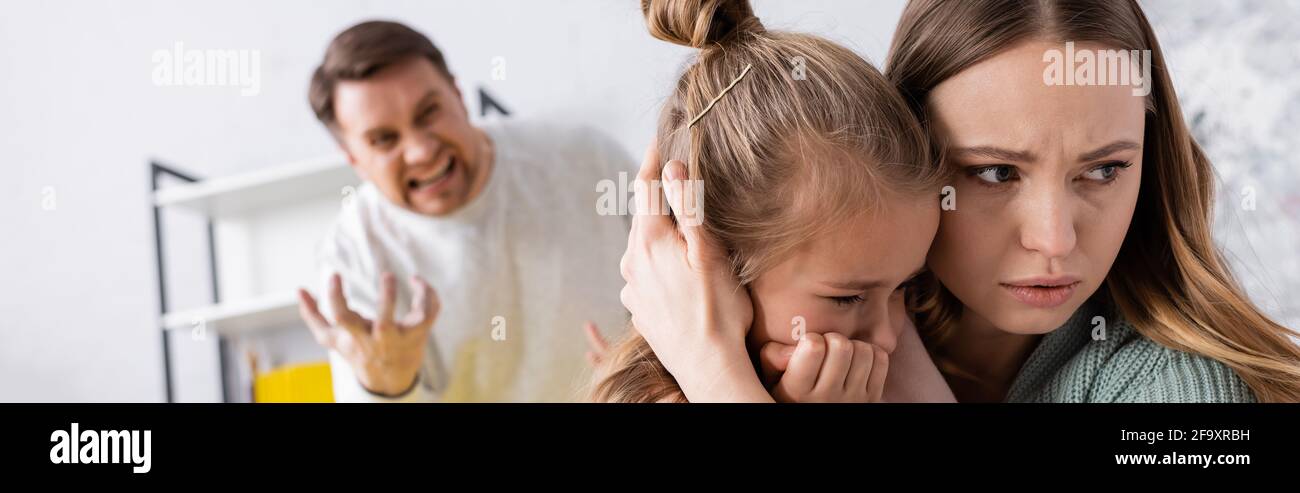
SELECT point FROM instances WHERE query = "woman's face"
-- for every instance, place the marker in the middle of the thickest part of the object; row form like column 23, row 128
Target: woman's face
column 1047, row 182
column 843, row 281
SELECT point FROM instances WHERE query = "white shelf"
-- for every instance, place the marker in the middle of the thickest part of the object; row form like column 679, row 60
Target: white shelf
column 242, row 316
column 287, row 183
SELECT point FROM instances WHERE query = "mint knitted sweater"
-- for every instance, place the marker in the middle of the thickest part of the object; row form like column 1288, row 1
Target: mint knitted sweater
column 1069, row 366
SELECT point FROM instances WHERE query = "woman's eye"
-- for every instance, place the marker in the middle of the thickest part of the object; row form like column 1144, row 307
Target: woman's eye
column 995, row 174
column 846, row 300
column 382, row 140
column 1105, row 172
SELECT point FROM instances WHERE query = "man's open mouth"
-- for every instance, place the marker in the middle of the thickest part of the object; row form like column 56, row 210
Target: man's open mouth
column 434, row 179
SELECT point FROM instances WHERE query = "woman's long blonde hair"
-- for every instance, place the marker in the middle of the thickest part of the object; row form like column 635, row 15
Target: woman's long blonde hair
column 1169, row 280
column 811, row 136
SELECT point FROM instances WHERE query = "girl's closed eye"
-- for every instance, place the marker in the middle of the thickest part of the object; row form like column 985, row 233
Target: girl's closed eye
column 858, row 298
column 845, row 300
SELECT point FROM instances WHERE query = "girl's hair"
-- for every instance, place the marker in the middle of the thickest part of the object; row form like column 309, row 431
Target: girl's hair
column 811, row 136
column 1169, row 280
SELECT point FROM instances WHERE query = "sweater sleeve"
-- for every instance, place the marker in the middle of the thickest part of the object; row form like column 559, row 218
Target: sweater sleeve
column 1144, row 371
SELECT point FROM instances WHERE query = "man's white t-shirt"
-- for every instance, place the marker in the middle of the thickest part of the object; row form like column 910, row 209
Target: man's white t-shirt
column 531, row 259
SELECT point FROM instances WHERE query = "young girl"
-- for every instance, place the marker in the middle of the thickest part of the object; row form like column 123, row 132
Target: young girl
column 815, row 180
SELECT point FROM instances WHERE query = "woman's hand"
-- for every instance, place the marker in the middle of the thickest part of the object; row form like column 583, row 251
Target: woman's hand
column 681, row 292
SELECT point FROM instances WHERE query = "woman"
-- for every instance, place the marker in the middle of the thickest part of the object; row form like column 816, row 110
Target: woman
column 1076, row 263
column 819, row 189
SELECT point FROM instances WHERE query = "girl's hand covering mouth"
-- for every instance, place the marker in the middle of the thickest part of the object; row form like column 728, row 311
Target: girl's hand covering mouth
column 825, row 368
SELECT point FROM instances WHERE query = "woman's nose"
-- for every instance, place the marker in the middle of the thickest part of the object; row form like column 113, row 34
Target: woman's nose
column 1048, row 224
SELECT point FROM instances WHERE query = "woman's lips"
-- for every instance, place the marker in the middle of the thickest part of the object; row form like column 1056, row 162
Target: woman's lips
column 1042, row 296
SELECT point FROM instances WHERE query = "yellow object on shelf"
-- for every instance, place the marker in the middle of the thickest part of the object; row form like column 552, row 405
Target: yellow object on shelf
column 307, row 382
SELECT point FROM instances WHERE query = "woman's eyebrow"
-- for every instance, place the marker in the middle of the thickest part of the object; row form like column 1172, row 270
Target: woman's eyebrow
column 1008, row 155
column 1108, row 149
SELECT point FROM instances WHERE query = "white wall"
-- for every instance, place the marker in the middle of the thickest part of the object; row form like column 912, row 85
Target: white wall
column 81, row 117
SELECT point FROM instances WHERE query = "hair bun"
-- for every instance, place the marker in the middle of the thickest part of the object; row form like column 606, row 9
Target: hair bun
column 699, row 23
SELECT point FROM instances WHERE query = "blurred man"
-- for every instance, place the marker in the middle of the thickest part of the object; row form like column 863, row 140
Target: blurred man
column 466, row 263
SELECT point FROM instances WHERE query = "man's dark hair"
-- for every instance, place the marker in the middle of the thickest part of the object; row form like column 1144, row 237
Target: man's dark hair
column 359, row 52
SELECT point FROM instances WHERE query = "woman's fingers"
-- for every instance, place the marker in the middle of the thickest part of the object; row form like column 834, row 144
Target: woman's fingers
column 686, row 197
column 648, row 223
column 683, row 197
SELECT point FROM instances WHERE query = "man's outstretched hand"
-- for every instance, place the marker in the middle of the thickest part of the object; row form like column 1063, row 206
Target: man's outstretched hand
column 384, row 354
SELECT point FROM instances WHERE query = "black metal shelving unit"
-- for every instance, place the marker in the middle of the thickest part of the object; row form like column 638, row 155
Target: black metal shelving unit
column 156, row 172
